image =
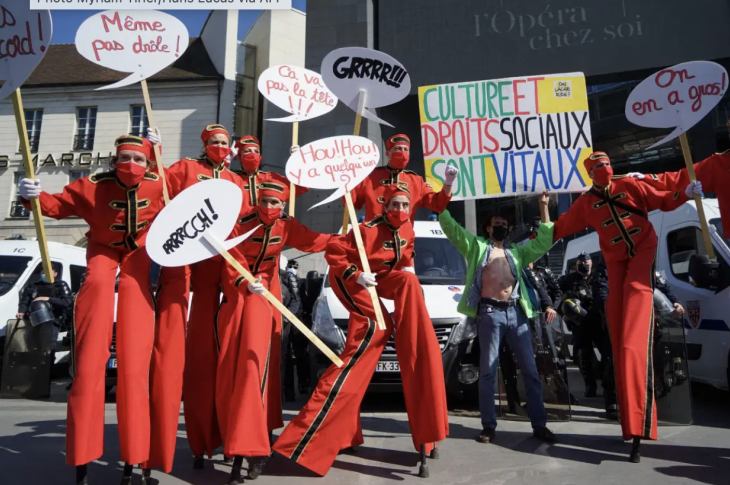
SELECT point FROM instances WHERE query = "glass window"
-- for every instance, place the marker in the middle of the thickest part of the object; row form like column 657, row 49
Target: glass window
column 140, row 123
column 682, row 244
column 78, row 174
column 86, row 127
column 77, row 276
column 17, row 210
column 33, row 121
column 11, row 267
column 438, row 262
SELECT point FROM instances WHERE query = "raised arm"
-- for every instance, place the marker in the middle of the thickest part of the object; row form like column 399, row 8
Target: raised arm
column 570, row 222
column 535, row 248
column 459, row 237
column 304, row 239
column 664, row 201
column 66, row 204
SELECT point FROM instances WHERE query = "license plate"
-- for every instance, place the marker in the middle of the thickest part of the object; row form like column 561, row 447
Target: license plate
column 388, row 366
column 112, row 364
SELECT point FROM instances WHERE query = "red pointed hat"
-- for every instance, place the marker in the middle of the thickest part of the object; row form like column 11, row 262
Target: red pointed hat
column 274, row 189
column 211, row 130
column 135, row 144
column 594, row 158
column 397, row 140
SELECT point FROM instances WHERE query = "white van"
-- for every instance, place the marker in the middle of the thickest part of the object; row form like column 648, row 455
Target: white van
column 441, row 270
column 20, row 266
column 707, row 315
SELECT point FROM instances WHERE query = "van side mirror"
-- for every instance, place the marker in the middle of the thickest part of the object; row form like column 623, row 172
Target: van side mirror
column 704, row 272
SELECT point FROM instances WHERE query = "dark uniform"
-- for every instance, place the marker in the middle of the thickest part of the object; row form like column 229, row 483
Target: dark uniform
column 599, row 290
column 59, row 296
column 292, row 300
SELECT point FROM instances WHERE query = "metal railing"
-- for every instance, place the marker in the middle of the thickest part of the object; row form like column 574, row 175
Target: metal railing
column 83, row 142
column 17, row 210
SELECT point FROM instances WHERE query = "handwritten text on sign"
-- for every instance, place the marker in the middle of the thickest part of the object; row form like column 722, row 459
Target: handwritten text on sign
column 24, row 39
column 339, row 162
column 677, row 97
column 142, row 43
column 298, row 91
column 507, row 136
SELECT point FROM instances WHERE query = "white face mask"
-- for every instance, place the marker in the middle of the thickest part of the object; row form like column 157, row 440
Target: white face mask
column 292, row 271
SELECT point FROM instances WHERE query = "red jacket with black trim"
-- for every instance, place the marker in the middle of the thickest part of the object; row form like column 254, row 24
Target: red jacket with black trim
column 189, row 171
column 387, row 248
column 622, row 233
column 117, row 215
column 254, row 181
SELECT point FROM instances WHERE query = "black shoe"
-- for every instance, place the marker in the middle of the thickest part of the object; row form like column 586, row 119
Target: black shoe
column 198, row 463
column 635, row 456
column 486, row 436
column 591, row 391
column 544, row 434
column 256, row 466
column 612, row 412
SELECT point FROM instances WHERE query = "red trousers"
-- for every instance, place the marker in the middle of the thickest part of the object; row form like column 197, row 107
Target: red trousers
column 330, row 422
column 168, row 361
column 93, row 327
column 245, row 373
column 630, row 313
column 201, row 357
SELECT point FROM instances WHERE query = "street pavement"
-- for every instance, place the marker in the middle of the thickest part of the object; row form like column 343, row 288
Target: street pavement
column 590, row 452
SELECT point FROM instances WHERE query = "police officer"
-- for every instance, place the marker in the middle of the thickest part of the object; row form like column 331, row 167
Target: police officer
column 661, row 284
column 599, row 290
column 292, row 300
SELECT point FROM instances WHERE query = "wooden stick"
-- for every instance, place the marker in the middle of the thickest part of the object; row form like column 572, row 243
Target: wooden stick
column 292, row 187
column 35, row 206
column 698, row 200
column 216, row 244
column 345, row 221
column 158, row 155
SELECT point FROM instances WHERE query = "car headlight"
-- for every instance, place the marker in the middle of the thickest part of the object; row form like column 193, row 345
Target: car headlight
column 465, row 330
column 324, row 327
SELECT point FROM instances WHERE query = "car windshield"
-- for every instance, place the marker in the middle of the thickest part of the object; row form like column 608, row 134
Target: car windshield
column 718, row 225
column 11, row 267
column 438, row 262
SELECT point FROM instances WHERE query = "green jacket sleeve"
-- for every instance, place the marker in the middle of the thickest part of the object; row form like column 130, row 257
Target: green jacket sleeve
column 459, row 237
column 534, row 248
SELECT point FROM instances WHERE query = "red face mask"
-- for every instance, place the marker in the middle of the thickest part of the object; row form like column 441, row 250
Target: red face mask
column 251, row 162
column 130, row 174
column 397, row 218
column 602, row 175
column 399, row 160
column 269, row 215
column 217, row 153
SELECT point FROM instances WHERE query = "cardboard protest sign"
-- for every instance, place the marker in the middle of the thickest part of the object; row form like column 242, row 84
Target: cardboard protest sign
column 140, row 42
column 507, row 136
column 338, row 162
column 210, row 207
column 24, row 39
column 349, row 70
column 677, row 97
column 298, row 91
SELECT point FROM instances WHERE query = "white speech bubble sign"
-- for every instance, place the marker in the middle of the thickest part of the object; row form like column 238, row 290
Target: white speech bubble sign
column 348, row 70
column 24, row 39
column 338, row 162
column 141, row 42
column 298, row 91
column 677, row 97
column 210, row 207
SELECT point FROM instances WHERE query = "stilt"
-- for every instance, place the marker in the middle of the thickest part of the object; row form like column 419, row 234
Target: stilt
column 256, row 466
column 147, row 476
column 227, row 459
column 82, row 474
column 127, row 474
column 198, row 463
column 435, row 455
column 236, row 478
column 635, row 456
column 423, row 469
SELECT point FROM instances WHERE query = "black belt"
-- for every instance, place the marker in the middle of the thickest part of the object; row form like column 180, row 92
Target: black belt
column 498, row 303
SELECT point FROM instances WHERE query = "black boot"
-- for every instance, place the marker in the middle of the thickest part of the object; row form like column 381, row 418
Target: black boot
column 147, row 477
column 127, row 474
column 256, row 466
column 236, row 478
column 423, row 469
column 635, row 456
column 198, row 462
column 82, row 475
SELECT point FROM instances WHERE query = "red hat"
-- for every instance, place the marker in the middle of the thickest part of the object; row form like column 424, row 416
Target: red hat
column 248, row 140
column 397, row 140
column 594, row 158
column 135, row 144
column 211, row 130
column 395, row 190
column 274, row 189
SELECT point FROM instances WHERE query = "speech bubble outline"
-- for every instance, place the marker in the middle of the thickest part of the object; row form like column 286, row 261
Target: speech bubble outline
column 29, row 32
column 337, row 162
column 142, row 42
column 216, row 205
column 677, row 97
column 348, row 70
column 298, row 91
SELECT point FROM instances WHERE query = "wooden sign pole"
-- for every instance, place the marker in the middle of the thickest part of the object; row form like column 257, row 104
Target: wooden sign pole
column 698, row 200
column 292, row 187
column 216, row 244
column 30, row 173
column 158, row 155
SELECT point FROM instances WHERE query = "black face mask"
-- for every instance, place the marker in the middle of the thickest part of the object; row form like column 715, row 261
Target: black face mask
column 583, row 269
column 499, row 233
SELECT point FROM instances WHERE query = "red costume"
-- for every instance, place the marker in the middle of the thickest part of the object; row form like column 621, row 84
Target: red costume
column 714, row 174
column 119, row 217
column 628, row 243
column 330, row 419
column 249, row 356
column 189, row 366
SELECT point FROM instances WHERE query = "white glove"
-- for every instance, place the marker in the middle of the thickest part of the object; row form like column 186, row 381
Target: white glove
column 635, row 175
column 256, row 288
column 409, row 269
column 231, row 156
column 366, row 280
column 694, row 188
column 294, row 149
column 451, row 173
column 155, row 137
column 29, row 189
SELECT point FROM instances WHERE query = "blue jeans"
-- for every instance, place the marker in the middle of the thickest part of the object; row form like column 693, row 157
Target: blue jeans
column 492, row 324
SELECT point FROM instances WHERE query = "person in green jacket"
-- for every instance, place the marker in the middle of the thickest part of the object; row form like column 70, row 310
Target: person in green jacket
column 496, row 296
